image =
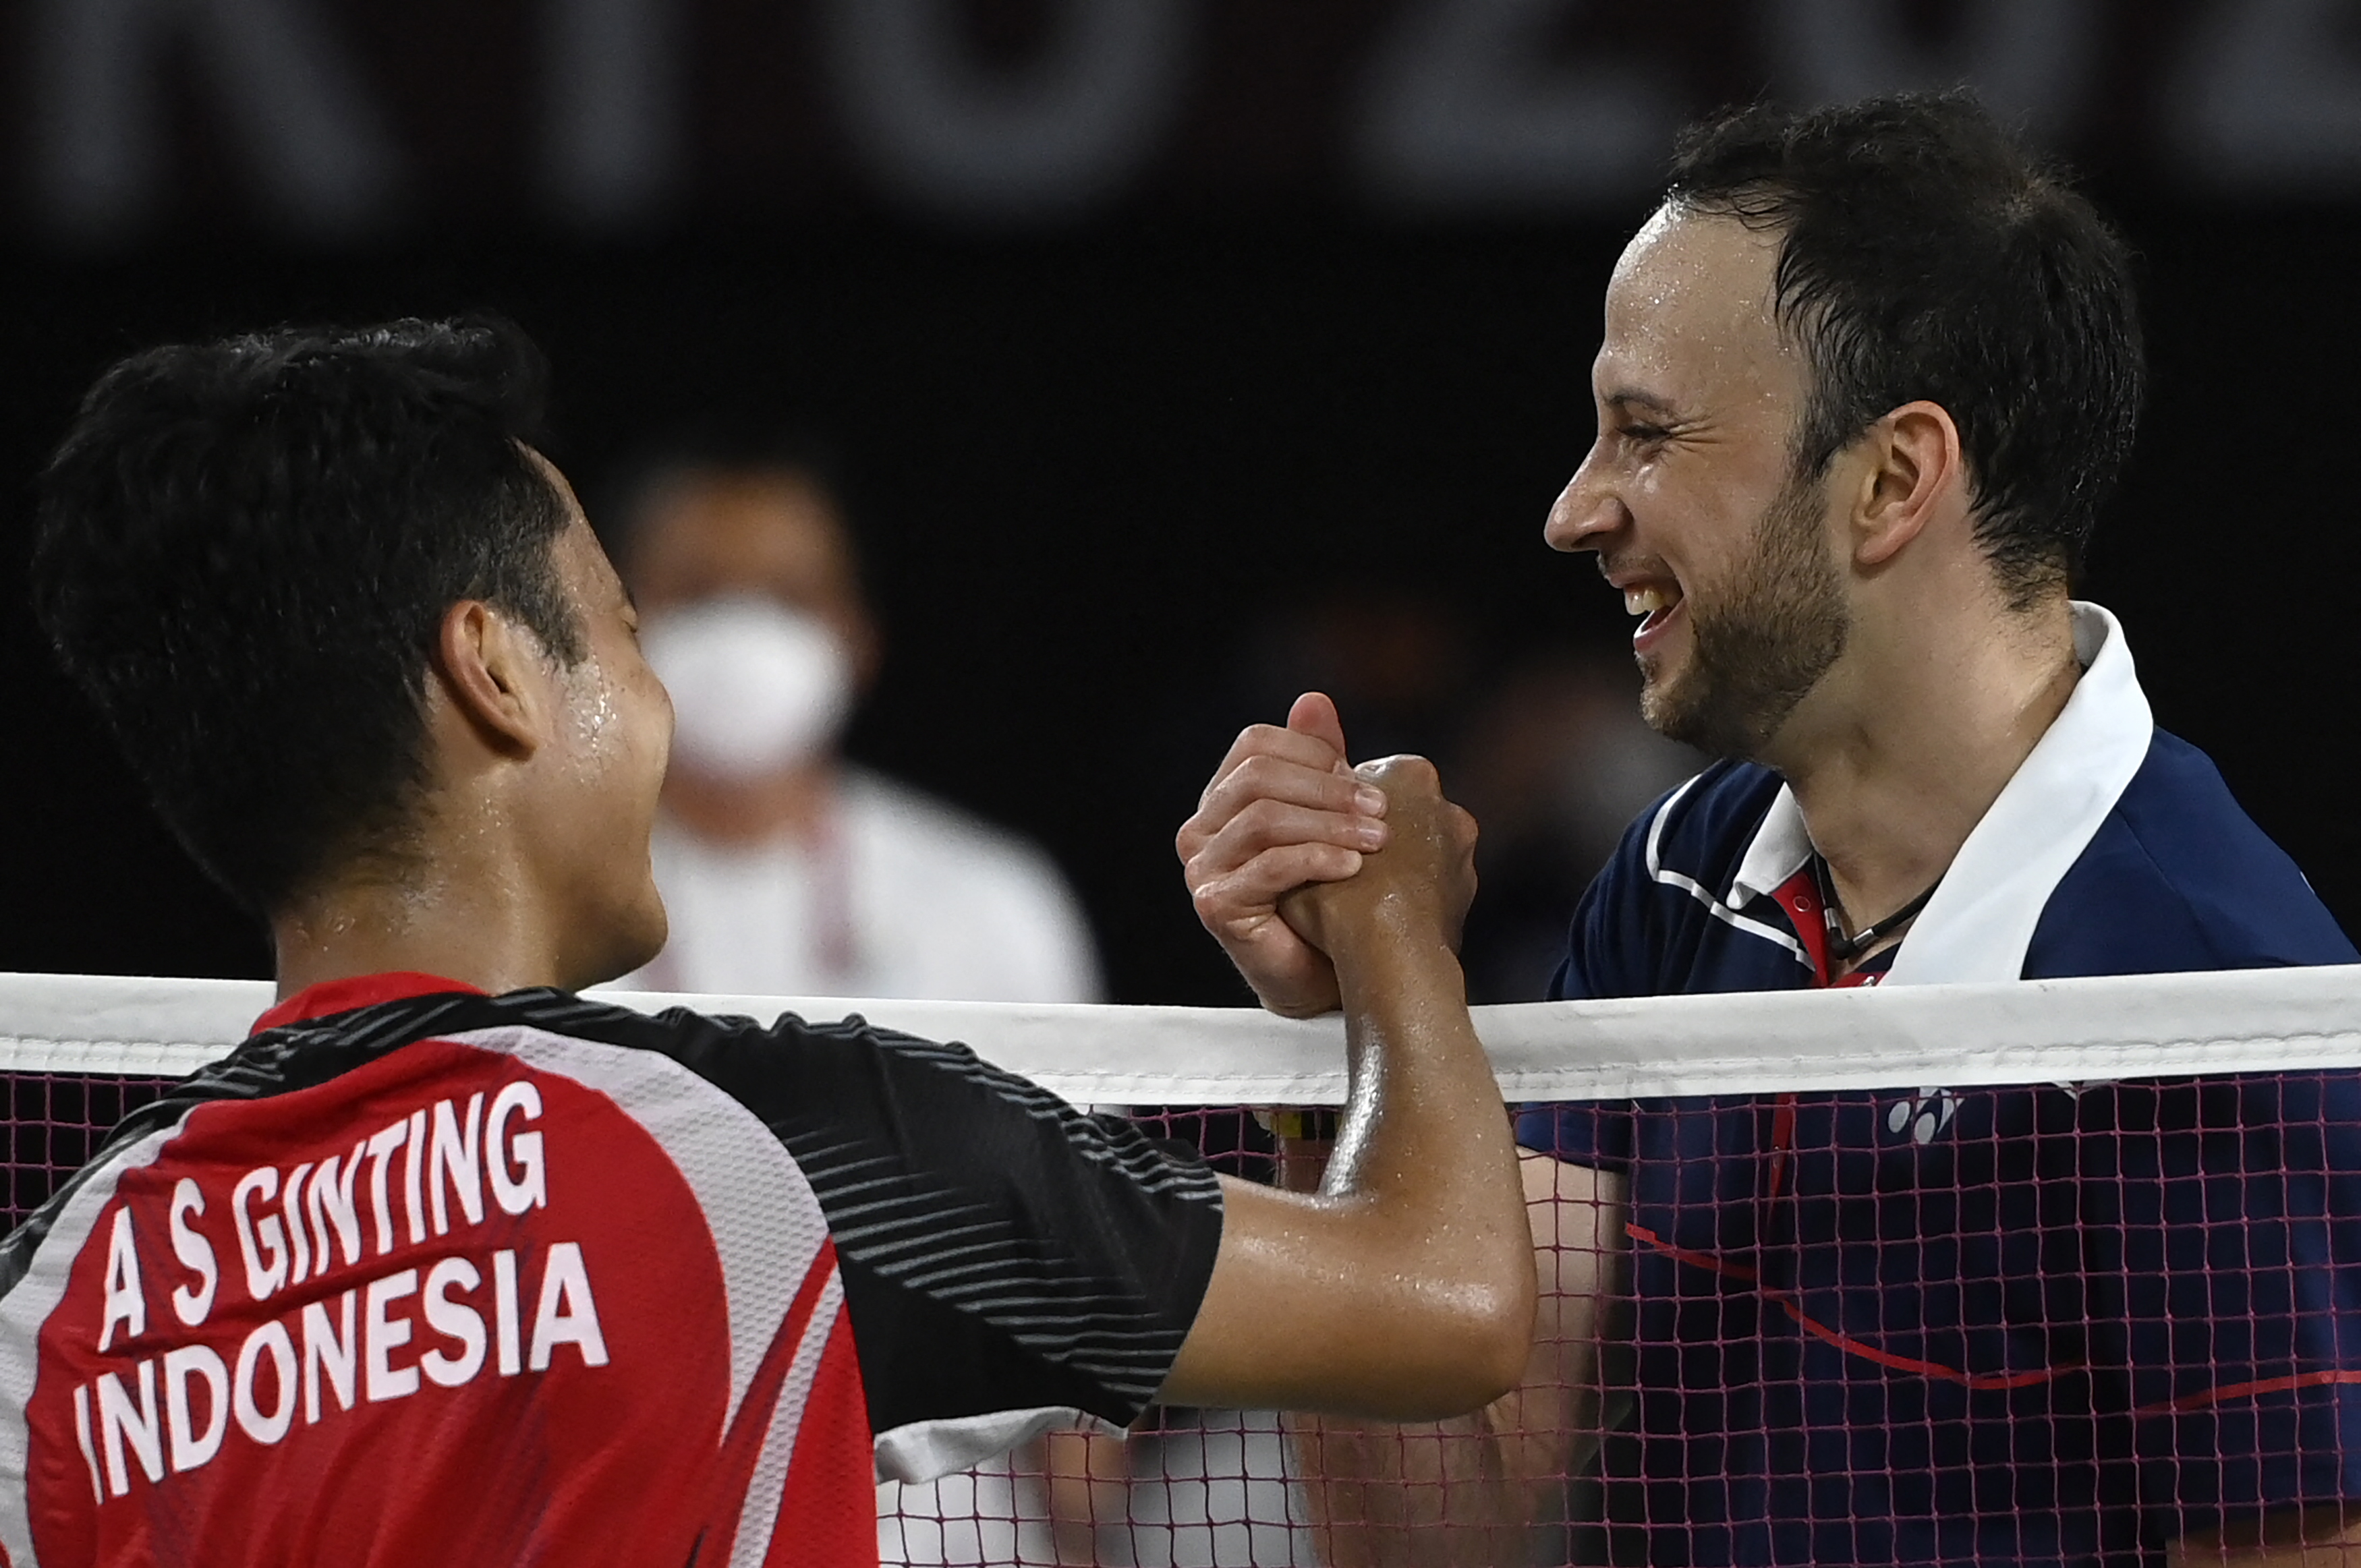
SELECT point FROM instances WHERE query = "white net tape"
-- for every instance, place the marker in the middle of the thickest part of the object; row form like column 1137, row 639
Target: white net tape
column 2063, row 1031
column 1222, row 1488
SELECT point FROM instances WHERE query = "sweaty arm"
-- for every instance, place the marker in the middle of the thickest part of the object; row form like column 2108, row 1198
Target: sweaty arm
column 1403, row 1289
column 1284, row 809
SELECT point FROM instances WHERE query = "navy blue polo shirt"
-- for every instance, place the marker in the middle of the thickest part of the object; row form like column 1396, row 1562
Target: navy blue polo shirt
column 2064, row 1322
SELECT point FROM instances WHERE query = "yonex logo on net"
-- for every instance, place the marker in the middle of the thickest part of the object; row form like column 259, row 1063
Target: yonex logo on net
column 1924, row 1114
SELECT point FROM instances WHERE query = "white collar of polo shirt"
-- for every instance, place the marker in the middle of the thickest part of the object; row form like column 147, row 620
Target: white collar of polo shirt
column 1981, row 920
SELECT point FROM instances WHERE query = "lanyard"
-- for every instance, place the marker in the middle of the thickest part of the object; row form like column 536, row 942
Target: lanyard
column 1843, row 950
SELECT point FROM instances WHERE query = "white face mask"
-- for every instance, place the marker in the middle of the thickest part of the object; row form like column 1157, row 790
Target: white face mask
column 755, row 687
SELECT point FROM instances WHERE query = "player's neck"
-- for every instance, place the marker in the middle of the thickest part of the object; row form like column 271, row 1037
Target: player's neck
column 1913, row 737
column 485, row 927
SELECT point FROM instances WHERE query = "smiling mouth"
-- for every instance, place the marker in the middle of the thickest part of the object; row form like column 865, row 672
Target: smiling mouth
column 1656, row 602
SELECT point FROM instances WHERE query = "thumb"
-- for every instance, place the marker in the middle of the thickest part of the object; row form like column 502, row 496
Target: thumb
column 1314, row 714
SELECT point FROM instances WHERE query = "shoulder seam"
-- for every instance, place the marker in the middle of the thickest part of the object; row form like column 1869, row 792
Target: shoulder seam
column 1698, row 891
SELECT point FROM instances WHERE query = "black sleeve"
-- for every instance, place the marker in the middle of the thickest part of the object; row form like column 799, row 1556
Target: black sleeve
column 1000, row 1250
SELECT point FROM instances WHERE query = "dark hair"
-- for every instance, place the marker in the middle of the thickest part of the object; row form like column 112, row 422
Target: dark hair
column 244, row 555
column 1924, row 253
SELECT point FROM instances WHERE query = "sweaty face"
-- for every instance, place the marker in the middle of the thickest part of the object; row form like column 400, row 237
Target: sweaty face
column 1689, row 494
column 615, row 732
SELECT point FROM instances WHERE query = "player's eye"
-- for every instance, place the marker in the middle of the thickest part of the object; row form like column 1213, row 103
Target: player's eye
column 1645, row 435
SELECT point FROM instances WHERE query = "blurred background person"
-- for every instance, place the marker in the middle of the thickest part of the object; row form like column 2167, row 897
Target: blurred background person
column 787, row 870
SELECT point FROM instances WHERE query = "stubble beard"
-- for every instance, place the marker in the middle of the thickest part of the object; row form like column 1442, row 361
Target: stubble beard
column 1757, row 654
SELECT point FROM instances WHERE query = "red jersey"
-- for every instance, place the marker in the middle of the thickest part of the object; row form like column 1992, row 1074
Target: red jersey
column 419, row 1275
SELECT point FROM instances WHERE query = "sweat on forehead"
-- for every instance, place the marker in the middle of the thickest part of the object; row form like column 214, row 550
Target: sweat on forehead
column 1691, row 315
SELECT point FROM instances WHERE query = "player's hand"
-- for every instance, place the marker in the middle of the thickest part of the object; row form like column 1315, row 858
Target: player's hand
column 1418, row 887
column 1284, row 809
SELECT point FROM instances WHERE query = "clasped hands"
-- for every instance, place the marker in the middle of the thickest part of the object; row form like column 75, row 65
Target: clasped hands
column 1295, row 858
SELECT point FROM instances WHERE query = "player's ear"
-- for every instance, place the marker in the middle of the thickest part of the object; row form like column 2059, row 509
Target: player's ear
column 1913, row 467
column 495, row 676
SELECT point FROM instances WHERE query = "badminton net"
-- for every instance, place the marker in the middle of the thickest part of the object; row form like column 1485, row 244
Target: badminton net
column 2057, row 1270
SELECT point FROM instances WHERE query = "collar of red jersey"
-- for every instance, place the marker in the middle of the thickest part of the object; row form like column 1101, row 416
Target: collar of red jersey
column 359, row 991
column 1979, row 922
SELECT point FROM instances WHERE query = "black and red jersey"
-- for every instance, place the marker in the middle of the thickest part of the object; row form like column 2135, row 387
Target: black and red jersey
column 420, row 1275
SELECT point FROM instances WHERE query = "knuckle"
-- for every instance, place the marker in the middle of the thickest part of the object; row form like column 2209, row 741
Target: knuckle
column 1270, row 775
column 1219, row 906
column 1405, row 769
column 1255, row 772
column 1265, row 819
column 1256, row 741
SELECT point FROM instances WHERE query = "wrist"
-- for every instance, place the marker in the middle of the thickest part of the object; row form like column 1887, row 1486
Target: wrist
column 1396, row 943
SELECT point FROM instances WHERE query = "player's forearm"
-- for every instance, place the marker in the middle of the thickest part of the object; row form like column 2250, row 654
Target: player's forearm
column 1424, row 1163
column 1424, row 1131
column 1403, row 1289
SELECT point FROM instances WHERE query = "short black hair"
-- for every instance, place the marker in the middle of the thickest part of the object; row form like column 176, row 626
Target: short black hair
column 244, row 552
column 1925, row 252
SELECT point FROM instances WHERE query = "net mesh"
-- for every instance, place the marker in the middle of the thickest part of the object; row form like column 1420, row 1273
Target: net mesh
column 2057, row 1272
column 56, row 1121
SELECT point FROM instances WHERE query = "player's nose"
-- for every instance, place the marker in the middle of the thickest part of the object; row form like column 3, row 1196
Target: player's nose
column 1585, row 512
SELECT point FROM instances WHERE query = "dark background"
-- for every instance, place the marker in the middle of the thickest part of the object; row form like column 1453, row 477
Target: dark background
column 1100, row 446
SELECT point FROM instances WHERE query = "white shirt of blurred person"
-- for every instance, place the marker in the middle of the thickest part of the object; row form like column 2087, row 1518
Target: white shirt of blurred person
column 788, row 872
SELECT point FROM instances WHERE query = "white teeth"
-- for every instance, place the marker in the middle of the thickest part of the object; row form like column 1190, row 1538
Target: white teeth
column 1645, row 602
